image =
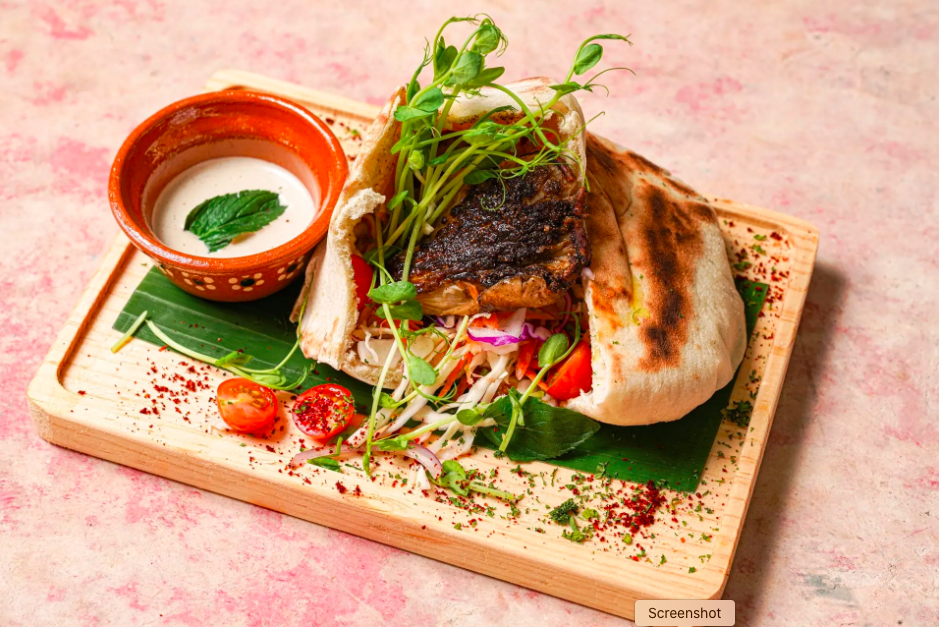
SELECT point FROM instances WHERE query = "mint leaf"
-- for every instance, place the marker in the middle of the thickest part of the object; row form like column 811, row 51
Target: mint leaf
column 549, row 432
column 219, row 220
column 393, row 292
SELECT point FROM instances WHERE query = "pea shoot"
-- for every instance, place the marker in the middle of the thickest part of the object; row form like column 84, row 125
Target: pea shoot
column 433, row 163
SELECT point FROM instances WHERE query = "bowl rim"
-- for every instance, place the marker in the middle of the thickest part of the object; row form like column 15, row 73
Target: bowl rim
column 302, row 243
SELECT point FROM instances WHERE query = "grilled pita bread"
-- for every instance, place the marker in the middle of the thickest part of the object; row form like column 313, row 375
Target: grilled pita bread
column 666, row 322
column 667, row 325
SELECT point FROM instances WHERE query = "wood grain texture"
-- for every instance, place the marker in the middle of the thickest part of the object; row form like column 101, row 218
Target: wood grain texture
column 85, row 398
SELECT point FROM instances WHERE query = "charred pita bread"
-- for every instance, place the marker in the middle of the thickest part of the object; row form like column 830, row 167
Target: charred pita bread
column 667, row 325
column 666, row 322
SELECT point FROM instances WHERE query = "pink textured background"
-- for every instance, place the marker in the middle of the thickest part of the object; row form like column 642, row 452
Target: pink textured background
column 826, row 113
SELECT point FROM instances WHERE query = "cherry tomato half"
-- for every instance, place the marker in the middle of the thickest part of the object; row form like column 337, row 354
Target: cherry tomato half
column 324, row 411
column 574, row 376
column 362, row 274
column 246, row 406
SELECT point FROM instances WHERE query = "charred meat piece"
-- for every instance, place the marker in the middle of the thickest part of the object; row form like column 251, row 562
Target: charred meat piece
column 503, row 248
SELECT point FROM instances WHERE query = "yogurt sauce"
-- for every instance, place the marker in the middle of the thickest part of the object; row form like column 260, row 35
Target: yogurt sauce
column 228, row 175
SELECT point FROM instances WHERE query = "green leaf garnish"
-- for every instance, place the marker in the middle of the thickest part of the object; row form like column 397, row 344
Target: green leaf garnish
column 588, row 57
column 478, row 176
column 410, row 310
column 548, row 431
column 466, row 69
column 330, row 463
column 553, row 349
column 421, row 372
column 393, row 292
column 469, row 417
column 429, row 101
column 404, row 113
column 219, row 220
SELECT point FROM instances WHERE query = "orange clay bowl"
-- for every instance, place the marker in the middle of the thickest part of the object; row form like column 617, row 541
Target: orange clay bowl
column 226, row 124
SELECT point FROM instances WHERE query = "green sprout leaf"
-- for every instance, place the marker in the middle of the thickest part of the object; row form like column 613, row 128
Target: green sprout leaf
column 487, row 39
column 393, row 444
column 429, row 101
column 469, row 417
column 404, row 113
column 567, row 88
column 330, row 463
column 410, row 310
column 487, row 76
column 393, row 292
column 421, row 372
column 553, row 349
column 443, row 58
column 466, row 69
column 397, row 199
column 588, row 57
column 478, row 176
column 386, row 401
column 413, row 88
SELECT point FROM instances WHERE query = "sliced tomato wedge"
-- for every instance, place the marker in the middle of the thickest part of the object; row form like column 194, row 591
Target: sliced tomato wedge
column 324, row 411
column 573, row 376
column 246, row 406
column 362, row 273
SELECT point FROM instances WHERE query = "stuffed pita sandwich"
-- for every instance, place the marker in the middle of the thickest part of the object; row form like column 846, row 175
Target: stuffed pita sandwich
column 491, row 260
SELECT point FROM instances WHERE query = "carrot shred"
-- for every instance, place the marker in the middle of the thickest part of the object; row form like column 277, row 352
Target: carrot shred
column 453, row 376
column 525, row 353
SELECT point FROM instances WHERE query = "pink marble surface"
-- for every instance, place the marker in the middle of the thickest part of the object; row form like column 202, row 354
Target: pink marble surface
column 826, row 112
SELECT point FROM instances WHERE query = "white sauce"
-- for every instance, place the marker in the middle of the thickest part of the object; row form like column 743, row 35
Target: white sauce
column 229, row 175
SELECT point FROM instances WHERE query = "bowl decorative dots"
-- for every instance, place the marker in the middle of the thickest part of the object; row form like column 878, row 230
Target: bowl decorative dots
column 226, row 124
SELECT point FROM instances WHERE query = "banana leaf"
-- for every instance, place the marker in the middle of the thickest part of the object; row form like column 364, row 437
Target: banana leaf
column 672, row 454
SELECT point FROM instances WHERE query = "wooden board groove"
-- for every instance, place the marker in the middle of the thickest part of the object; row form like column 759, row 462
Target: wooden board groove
column 74, row 402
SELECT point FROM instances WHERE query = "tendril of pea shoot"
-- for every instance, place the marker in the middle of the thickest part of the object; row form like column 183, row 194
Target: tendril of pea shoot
column 434, row 163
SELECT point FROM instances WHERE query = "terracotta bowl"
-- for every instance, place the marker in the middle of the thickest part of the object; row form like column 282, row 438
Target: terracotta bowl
column 226, row 124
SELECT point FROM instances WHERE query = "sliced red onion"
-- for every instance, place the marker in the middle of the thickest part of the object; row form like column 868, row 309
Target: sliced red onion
column 513, row 324
column 587, row 273
column 447, row 322
column 426, row 458
column 313, row 453
column 530, row 331
column 492, row 336
column 568, row 305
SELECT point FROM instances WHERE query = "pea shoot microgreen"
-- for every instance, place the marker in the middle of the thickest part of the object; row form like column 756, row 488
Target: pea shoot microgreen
column 433, row 164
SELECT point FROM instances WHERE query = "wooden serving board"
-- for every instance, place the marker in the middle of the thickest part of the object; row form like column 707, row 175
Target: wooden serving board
column 108, row 405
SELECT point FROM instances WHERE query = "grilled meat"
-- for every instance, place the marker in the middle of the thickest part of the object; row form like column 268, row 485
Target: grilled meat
column 503, row 248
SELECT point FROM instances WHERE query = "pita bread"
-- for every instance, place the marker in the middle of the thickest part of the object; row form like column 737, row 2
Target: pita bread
column 667, row 326
column 666, row 322
column 329, row 292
